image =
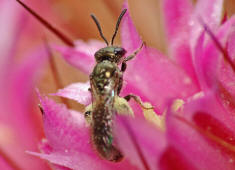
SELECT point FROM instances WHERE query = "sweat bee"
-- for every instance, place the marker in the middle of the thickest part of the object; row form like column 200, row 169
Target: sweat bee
column 106, row 82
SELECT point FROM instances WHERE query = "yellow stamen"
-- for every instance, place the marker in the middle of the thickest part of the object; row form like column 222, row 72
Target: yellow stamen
column 151, row 116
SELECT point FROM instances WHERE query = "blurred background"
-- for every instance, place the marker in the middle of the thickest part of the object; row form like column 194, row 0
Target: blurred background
column 22, row 34
column 73, row 18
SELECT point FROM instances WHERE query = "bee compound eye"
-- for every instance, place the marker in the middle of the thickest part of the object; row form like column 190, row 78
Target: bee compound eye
column 119, row 51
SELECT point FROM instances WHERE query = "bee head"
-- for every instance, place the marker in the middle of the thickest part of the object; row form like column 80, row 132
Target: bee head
column 110, row 53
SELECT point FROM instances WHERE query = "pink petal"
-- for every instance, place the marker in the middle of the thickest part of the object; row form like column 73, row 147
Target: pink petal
column 209, row 65
column 188, row 132
column 177, row 14
column 129, row 36
column 45, row 148
column 76, row 91
column 207, row 61
column 140, row 142
column 90, row 47
column 177, row 23
column 4, row 164
column 82, row 57
column 172, row 158
column 18, row 112
column 226, row 73
column 151, row 74
column 21, row 79
column 210, row 104
column 11, row 27
column 59, row 158
column 198, row 62
column 58, row 167
column 193, row 148
column 231, row 43
column 17, row 109
column 69, row 138
column 155, row 78
column 210, row 11
column 64, row 129
column 82, row 161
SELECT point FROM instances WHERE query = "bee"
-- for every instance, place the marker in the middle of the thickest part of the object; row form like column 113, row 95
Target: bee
column 106, row 82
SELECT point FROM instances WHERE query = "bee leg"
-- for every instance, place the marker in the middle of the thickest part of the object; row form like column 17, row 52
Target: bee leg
column 137, row 100
column 123, row 67
column 122, row 106
column 88, row 114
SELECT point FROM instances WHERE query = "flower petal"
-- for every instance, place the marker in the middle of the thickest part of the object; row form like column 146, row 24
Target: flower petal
column 82, row 161
column 6, row 164
column 76, row 91
column 155, row 78
column 150, row 67
column 226, row 74
column 173, row 159
column 17, row 107
column 64, row 129
column 45, row 148
column 69, row 139
column 81, row 57
column 210, row 11
column 90, row 47
column 16, row 90
column 129, row 36
column 177, row 14
column 231, row 43
column 205, row 130
column 177, row 23
column 58, row 167
column 207, row 62
column 142, row 143
column 11, row 26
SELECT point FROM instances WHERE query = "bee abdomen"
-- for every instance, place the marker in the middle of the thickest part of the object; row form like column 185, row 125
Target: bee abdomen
column 102, row 136
column 106, row 151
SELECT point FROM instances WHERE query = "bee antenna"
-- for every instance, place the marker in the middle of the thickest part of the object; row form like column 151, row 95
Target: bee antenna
column 117, row 25
column 99, row 28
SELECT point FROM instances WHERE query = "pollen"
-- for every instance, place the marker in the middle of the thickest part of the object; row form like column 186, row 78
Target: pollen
column 151, row 116
column 177, row 105
column 107, row 74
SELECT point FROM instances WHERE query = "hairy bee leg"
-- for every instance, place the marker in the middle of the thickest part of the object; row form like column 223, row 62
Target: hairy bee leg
column 124, row 65
column 137, row 100
column 88, row 114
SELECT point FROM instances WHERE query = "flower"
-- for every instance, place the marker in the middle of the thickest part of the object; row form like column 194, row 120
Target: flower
column 19, row 123
column 198, row 135
column 201, row 134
